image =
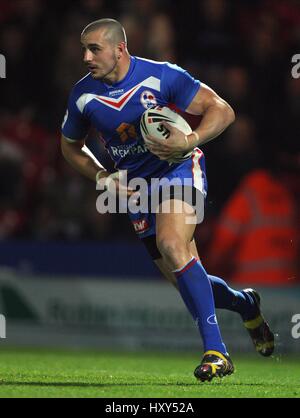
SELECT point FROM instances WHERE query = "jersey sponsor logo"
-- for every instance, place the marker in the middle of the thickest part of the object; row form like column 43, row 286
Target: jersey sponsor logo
column 116, row 92
column 119, row 103
column 141, row 226
column 124, row 150
column 148, row 99
column 126, row 131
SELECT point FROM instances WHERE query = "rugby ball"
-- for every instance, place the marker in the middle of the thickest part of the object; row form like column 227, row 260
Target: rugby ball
column 151, row 124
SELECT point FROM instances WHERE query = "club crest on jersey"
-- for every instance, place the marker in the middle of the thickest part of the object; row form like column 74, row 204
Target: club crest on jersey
column 148, row 99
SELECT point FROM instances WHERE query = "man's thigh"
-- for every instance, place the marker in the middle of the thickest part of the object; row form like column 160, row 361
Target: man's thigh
column 174, row 220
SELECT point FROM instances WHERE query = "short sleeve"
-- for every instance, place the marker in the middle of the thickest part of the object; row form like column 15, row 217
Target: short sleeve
column 75, row 126
column 178, row 86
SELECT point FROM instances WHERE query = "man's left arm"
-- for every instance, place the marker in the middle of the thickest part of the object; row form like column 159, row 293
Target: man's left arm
column 217, row 115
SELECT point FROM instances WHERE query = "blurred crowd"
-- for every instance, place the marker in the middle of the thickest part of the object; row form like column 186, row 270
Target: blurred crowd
column 242, row 49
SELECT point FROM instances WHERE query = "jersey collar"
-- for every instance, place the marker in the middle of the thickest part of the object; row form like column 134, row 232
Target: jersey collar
column 126, row 78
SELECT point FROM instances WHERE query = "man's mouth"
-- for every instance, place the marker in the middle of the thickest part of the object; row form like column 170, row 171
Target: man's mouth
column 92, row 68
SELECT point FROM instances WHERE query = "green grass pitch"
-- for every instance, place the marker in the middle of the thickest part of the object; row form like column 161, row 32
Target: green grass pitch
column 48, row 373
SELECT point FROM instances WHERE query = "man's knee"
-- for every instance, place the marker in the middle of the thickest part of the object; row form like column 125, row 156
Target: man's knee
column 172, row 247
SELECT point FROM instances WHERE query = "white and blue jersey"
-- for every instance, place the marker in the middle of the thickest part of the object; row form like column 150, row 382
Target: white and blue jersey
column 115, row 111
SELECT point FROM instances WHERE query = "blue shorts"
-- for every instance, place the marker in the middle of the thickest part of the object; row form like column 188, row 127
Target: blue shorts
column 190, row 174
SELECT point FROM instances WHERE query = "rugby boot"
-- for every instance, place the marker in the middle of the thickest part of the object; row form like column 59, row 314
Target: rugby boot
column 214, row 364
column 258, row 328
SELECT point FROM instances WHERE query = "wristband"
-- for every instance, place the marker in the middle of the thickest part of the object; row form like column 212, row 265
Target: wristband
column 98, row 175
column 196, row 135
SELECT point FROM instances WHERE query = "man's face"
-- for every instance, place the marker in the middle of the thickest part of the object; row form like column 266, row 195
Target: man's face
column 100, row 55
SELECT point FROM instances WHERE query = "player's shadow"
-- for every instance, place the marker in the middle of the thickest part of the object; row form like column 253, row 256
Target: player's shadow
column 101, row 385
column 89, row 385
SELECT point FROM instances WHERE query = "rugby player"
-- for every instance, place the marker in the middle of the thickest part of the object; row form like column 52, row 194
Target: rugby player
column 112, row 98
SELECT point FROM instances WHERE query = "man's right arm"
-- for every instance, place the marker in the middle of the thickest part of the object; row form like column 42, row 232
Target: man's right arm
column 81, row 159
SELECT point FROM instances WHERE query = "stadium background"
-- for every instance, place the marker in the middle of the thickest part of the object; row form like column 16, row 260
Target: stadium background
column 72, row 277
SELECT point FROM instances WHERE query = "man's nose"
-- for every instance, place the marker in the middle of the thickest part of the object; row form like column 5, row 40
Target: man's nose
column 88, row 56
